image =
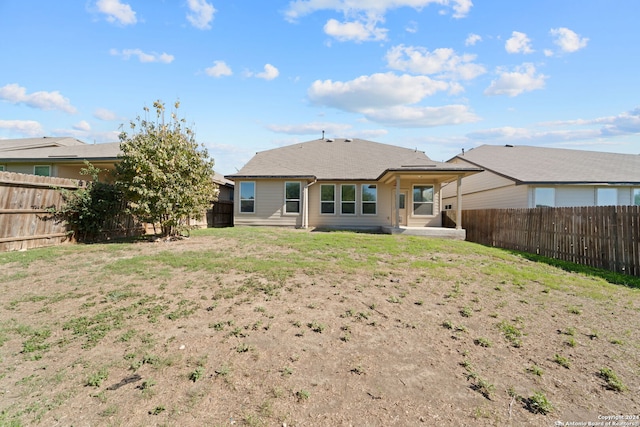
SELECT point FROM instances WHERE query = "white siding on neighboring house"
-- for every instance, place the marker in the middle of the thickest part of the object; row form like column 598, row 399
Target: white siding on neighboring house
column 269, row 205
column 513, row 196
column 574, row 195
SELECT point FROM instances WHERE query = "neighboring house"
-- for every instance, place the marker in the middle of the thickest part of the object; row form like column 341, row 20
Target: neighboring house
column 529, row 177
column 343, row 183
column 225, row 187
column 57, row 157
column 64, row 157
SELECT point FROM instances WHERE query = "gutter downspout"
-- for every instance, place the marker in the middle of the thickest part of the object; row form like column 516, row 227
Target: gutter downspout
column 305, row 209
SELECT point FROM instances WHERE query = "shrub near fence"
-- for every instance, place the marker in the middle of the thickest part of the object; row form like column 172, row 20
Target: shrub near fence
column 25, row 219
column 605, row 237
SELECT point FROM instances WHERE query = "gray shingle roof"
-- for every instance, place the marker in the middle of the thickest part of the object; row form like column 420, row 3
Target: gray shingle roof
column 107, row 151
column 32, row 143
column 337, row 159
column 527, row 164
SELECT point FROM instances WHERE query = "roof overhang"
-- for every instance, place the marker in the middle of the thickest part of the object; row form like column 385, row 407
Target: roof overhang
column 441, row 175
column 305, row 177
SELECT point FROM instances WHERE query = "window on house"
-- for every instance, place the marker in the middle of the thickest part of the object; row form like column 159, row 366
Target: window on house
column 42, row 170
column 292, row 197
column 545, row 197
column 2, row 169
column 607, row 197
column 348, row 199
column 327, row 199
column 402, row 201
column 369, row 199
column 423, row 200
column 247, row 197
column 636, row 197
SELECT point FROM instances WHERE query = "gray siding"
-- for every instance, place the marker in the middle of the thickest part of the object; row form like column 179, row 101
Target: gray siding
column 513, row 196
column 269, row 206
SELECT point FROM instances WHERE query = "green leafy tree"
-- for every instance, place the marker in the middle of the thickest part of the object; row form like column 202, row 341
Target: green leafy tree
column 165, row 175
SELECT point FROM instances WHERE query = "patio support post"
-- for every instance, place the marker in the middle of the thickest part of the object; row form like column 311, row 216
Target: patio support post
column 397, row 216
column 459, row 204
column 305, row 204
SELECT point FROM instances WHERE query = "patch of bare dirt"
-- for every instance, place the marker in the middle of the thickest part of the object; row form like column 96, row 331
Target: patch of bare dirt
column 402, row 347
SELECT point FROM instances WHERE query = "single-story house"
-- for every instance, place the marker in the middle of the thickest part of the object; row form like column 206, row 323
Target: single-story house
column 61, row 157
column 343, row 183
column 64, row 157
column 528, row 177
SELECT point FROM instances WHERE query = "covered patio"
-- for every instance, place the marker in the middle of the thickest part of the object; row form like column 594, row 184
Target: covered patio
column 417, row 199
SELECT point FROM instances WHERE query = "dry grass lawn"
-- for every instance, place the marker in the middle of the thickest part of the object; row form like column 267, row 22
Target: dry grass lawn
column 275, row 327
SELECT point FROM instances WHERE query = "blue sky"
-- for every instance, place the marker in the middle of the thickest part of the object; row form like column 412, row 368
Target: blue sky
column 436, row 75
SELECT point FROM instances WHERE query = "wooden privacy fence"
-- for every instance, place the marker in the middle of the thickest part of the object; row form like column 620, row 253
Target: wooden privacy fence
column 24, row 219
column 605, row 237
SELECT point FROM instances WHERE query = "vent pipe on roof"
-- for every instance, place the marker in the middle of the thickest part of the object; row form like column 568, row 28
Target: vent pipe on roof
column 323, row 135
column 348, row 140
column 463, row 151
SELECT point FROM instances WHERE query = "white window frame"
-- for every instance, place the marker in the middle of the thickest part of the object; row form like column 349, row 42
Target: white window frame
column 298, row 200
column 414, row 203
column 354, row 201
column 241, row 199
column 42, row 166
column 333, row 201
column 369, row 202
column 635, row 192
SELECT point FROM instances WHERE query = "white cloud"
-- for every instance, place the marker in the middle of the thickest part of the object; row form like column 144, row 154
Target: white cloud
column 627, row 123
column 104, row 114
column 518, row 43
column 164, row 58
column 313, row 128
column 270, row 72
column 117, row 12
column 374, row 91
column 355, row 30
column 412, row 27
column 522, row 79
column 82, row 125
column 23, row 127
column 600, row 131
column 406, row 116
column 472, row 39
column 567, row 40
column 17, row 94
column 442, row 61
column 201, row 14
column 300, row 8
column 219, row 69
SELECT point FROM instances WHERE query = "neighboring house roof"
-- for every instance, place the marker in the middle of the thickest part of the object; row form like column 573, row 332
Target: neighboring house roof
column 82, row 151
column 541, row 165
column 221, row 180
column 339, row 159
column 52, row 150
column 31, row 143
